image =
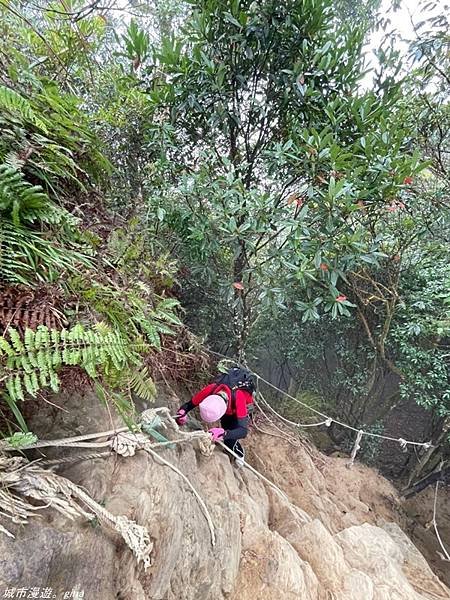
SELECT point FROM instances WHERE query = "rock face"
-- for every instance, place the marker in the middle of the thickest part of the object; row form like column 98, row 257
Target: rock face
column 334, row 539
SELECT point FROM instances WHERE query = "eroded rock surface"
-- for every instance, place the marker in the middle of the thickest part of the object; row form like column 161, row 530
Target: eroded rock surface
column 336, row 538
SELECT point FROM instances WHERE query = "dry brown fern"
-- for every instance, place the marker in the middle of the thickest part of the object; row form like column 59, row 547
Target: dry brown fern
column 26, row 308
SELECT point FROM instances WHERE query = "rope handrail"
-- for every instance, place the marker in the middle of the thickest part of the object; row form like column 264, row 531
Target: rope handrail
column 327, row 419
column 400, row 440
column 270, row 483
column 122, row 441
column 133, row 536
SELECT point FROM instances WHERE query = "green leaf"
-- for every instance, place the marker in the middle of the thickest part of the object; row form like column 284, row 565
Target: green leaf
column 19, row 439
column 16, row 412
column 230, row 19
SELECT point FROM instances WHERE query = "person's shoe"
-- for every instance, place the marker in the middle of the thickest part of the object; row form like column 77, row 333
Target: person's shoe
column 239, row 450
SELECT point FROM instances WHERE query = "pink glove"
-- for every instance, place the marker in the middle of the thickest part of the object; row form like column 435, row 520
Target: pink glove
column 181, row 417
column 216, row 433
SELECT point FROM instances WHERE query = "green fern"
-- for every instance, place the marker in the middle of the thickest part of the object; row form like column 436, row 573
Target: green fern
column 20, row 439
column 31, row 363
column 128, row 310
column 142, row 384
column 13, row 159
column 23, row 202
column 28, row 256
column 164, row 311
column 18, row 106
column 151, row 332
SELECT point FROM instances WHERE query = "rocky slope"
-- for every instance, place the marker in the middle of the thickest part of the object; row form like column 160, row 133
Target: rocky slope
column 335, row 539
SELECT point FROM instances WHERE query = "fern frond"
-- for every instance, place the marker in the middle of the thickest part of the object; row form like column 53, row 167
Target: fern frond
column 168, row 316
column 31, row 363
column 162, row 328
column 16, row 341
column 24, row 202
column 142, row 384
column 5, row 347
column 167, row 304
column 18, row 106
column 27, row 256
column 151, row 333
column 164, row 311
column 13, row 160
column 102, row 327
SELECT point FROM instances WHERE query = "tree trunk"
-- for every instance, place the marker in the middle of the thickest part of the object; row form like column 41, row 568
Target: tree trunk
column 442, row 475
column 241, row 310
column 426, row 458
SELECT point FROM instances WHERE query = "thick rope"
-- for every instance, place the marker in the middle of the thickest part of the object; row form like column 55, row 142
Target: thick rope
column 330, row 420
column 73, row 441
column 65, row 441
column 45, row 485
column 282, row 434
column 206, row 446
column 265, row 432
column 327, row 422
column 72, row 459
column 130, row 442
column 253, row 470
column 209, row 520
column 120, row 437
column 126, row 442
column 29, row 480
column 263, row 478
column 135, row 536
column 80, row 441
column 127, row 447
column 122, row 447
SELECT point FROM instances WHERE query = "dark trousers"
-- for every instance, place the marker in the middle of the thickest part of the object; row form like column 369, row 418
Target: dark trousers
column 228, row 422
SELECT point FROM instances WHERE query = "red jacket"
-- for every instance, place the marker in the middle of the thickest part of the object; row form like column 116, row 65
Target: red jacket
column 238, row 408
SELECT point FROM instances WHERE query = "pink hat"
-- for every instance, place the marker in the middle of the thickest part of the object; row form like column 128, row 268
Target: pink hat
column 212, row 408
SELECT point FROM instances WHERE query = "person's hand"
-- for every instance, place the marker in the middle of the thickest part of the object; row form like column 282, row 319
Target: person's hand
column 181, row 417
column 216, row 433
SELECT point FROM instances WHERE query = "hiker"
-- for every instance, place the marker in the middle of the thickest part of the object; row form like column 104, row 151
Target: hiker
column 229, row 399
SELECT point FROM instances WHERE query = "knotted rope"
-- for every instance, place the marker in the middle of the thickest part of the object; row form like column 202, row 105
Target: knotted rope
column 17, row 476
column 31, row 480
column 20, row 477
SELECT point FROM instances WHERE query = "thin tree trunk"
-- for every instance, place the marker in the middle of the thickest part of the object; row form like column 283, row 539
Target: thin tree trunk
column 426, row 458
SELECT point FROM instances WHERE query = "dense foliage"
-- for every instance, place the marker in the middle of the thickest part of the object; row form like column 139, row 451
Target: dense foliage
column 74, row 294
column 232, row 154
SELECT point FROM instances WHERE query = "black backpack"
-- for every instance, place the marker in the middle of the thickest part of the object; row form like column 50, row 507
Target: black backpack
column 237, row 378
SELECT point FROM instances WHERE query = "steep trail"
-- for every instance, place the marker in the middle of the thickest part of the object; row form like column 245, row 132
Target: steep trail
column 336, row 538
